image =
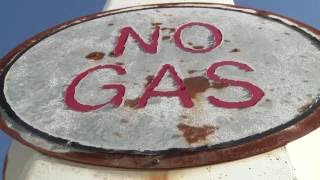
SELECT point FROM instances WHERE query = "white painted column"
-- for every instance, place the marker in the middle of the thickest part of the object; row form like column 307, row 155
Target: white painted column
column 304, row 154
column 116, row 4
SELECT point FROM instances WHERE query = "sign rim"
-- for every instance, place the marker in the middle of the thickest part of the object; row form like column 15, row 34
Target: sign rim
column 171, row 158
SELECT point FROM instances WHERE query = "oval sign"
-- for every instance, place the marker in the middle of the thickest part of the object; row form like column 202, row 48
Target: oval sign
column 165, row 86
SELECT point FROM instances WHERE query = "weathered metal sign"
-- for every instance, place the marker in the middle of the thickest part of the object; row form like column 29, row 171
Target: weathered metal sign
column 163, row 86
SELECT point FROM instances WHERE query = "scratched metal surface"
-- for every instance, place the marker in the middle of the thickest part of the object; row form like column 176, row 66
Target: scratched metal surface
column 285, row 62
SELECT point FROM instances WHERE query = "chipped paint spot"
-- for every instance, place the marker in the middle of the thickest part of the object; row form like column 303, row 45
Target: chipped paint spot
column 198, row 47
column 235, row 50
column 165, row 37
column 131, row 102
column 156, row 24
column 192, row 71
column 172, row 30
column 111, row 54
column 119, row 63
column 194, row 134
column 149, row 79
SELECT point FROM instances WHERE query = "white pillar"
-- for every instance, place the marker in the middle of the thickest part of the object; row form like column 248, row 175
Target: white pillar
column 116, row 4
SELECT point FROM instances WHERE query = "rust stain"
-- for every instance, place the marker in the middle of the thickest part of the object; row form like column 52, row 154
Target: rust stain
column 172, row 30
column 192, row 71
column 120, row 63
column 159, row 177
column 303, row 108
column 95, row 56
column 149, row 79
column 199, row 84
column 235, row 50
column 156, row 24
column 195, row 85
column 165, row 37
column 131, row 102
column 194, row 134
column 217, row 85
column 111, row 54
column 198, row 47
column 262, row 13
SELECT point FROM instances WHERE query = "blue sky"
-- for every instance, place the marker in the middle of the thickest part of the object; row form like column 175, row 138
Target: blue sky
column 21, row 19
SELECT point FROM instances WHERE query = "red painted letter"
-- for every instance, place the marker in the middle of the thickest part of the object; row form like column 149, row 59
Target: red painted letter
column 255, row 92
column 215, row 32
column 72, row 103
column 148, row 48
column 181, row 92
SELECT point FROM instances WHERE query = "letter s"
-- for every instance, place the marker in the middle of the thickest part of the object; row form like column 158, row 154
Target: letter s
column 255, row 92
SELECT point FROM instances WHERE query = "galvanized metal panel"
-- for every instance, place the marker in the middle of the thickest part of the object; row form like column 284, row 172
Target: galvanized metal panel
column 281, row 55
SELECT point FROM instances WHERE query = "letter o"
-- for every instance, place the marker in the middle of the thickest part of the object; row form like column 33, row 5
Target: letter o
column 215, row 32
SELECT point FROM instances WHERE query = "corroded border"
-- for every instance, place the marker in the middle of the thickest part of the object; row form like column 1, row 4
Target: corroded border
column 250, row 146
